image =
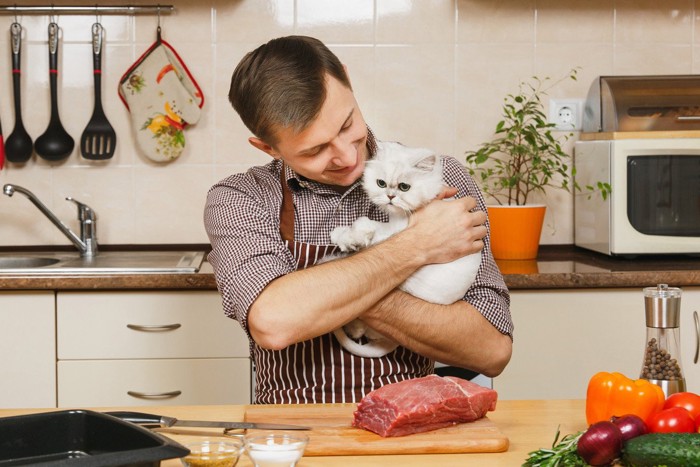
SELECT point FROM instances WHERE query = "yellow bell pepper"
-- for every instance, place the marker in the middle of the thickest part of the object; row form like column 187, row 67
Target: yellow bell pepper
column 614, row 394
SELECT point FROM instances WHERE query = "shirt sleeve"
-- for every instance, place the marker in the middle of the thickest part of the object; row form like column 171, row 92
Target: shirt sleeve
column 248, row 252
column 489, row 293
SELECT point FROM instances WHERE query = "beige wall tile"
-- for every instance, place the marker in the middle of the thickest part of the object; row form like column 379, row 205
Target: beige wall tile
column 591, row 21
column 417, row 83
column 651, row 21
column 495, row 21
column 336, row 21
column 639, row 59
column 415, row 21
column 252, row 21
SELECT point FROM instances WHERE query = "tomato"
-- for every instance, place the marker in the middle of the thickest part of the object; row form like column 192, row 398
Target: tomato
column 687, row 400
column 672, row 420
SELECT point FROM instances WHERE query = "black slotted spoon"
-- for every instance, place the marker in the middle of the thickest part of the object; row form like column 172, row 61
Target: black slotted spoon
column 98, row 140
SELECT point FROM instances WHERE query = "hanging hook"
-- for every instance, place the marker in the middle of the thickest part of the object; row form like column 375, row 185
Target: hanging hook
column 16, row 14
column 158, row 28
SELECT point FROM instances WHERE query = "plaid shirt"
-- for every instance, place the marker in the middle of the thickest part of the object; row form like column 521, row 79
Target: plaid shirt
column 242, row 221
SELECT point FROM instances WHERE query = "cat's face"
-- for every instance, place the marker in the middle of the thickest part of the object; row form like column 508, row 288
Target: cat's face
column 402, row 179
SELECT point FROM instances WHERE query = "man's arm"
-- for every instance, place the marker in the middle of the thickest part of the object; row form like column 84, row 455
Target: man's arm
column 456, row 334
column 314, row 301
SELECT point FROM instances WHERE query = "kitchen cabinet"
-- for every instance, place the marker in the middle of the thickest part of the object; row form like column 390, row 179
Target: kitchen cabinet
column 149, row 347
column 27, row 349
column 690, row 338
column 563, row 337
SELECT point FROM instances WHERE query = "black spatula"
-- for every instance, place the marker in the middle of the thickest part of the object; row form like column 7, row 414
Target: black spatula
column 99, row 139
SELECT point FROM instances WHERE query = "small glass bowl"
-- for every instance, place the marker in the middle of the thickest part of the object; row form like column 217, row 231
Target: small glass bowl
column 275, row 448
column 213, row 453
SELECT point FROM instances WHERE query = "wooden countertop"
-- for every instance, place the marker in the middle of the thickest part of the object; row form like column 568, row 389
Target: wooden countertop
column 529, row 425
column 557, row 267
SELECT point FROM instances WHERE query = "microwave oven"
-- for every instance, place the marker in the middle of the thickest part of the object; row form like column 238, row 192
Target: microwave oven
column 654, row 205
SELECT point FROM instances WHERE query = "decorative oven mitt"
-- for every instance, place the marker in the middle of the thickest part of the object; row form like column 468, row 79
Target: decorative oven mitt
column 163, row 98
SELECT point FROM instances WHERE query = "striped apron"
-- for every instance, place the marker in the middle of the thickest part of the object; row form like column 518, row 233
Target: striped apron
column 320, row 370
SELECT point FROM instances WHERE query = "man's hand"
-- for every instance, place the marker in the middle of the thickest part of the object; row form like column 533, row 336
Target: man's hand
column 445, row 231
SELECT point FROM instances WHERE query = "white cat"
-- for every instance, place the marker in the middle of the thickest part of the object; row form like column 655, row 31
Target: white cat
column 400, row 180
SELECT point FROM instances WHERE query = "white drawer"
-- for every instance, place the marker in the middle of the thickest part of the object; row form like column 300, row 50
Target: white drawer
column 96, row 325
column 107, row 383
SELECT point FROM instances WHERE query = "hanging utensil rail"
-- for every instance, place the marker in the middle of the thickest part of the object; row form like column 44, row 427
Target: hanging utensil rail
column 86, row 9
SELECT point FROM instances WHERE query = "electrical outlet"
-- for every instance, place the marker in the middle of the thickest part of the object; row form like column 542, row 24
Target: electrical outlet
column 566, row 114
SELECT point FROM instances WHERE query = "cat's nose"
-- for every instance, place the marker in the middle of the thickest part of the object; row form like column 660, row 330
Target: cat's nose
column 390, row 197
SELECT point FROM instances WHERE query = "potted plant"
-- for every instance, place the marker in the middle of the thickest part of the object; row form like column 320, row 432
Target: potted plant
column 524, row 158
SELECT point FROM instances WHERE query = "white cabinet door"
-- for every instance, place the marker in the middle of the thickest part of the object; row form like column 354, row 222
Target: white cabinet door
column 102, row 383
column 27, row 349
column 690, row 338
column 563, row 337
column 97, row 325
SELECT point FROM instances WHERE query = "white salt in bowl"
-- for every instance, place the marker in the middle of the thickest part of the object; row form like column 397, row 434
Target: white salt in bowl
column 275, row 449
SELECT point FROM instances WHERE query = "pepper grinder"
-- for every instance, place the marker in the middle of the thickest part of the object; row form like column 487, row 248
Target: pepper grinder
column 662, row 355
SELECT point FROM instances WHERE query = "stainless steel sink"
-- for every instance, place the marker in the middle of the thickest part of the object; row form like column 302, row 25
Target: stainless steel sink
column 107, row 262
column 23, row 262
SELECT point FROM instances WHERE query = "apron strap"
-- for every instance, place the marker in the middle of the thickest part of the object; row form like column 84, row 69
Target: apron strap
column 286, row 210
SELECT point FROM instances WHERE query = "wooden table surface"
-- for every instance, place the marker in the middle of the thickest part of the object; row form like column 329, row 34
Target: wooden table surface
column 529, row 425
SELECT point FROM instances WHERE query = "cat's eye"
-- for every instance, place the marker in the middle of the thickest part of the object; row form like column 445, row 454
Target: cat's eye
column 404, row 186
column 381, row 183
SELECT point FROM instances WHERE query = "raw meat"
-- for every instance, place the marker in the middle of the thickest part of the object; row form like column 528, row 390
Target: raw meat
column 423, row 404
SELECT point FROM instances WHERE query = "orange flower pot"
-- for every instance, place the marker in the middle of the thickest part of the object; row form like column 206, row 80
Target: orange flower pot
column 515, row 231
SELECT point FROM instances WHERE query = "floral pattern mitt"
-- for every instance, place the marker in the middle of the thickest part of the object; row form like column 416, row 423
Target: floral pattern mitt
column 163, row 99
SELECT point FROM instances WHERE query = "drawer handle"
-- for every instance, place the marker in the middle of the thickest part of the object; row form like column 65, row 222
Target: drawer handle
column 697, row 336
column 154, row 327
column 154, row 395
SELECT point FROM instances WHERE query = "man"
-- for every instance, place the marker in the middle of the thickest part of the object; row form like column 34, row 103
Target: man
column 268, row 226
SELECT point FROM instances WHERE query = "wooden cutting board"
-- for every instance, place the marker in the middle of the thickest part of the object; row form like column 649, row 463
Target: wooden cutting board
column 333, row 435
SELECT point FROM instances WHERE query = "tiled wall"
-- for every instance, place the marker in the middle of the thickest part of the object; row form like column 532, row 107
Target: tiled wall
column 426, row 72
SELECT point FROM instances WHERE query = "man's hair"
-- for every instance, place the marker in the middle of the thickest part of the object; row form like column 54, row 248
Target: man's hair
column 282, row 84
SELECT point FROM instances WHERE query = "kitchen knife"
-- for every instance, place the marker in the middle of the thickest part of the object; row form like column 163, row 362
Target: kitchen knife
column 151, row 420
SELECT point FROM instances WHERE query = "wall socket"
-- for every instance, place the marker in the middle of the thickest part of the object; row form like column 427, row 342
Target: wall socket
column 566, row 114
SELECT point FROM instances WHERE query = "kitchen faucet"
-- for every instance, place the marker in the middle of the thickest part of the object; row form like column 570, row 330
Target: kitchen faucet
column 87, row 242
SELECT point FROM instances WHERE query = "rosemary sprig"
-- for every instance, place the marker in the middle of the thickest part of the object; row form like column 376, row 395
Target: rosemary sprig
column 562, row 454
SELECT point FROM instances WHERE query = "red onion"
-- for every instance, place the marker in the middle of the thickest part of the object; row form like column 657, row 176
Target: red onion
column 630, row 426
column 600, row 444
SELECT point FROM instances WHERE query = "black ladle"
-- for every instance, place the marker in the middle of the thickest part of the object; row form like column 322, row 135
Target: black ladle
column 55, row 144
column 18, row 146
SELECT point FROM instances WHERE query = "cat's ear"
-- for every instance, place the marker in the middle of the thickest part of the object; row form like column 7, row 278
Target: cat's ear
column 427, row 163
column 264, row 147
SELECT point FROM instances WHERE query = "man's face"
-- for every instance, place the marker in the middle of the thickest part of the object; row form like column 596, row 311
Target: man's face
column 333, row 149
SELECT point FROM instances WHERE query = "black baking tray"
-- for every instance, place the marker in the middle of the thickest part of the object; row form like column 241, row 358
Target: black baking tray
column 81, row 438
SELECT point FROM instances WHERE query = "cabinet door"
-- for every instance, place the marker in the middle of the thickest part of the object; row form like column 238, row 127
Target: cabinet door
column 690, row 338
column 110, row 325
column 102, row 383
column 564, row 337
column 27, row 349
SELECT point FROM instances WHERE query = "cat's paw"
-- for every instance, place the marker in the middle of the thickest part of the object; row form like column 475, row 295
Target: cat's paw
column 355, row 328
column 355, row 237
column 342, row 237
